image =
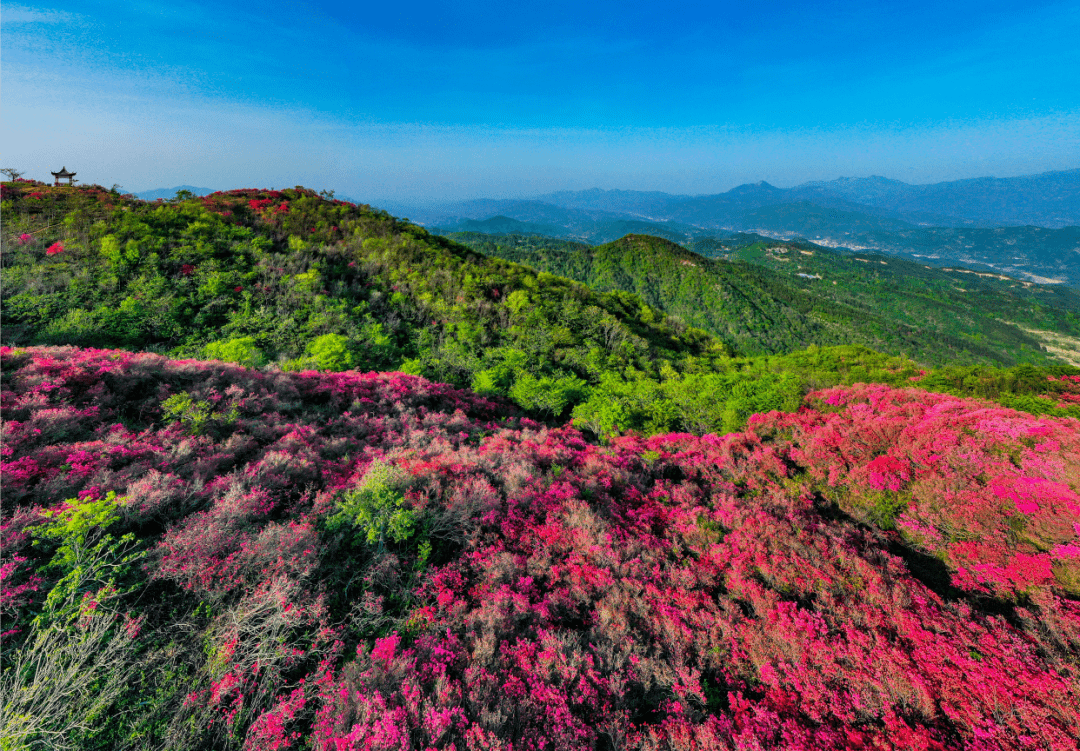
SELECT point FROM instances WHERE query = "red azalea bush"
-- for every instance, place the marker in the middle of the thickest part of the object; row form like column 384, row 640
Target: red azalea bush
column 542, row 592
column 1070, row 394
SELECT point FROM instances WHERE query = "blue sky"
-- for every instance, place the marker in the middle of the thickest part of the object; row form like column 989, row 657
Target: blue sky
column 425, row 101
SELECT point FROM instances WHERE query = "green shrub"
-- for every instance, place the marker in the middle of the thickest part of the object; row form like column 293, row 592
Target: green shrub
column 548, row 395
column 198, row 416
column 376, row 508
column 78, row 658
column 242, row 351
column 331, row 352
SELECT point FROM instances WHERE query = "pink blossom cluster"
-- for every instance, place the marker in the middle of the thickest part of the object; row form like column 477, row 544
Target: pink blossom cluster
column 1069, row 393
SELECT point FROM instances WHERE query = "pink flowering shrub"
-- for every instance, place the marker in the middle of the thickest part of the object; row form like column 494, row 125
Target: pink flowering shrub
column 676, row 592
column 991, row 491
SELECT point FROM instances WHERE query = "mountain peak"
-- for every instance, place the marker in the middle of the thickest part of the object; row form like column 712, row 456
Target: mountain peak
column 758, row 187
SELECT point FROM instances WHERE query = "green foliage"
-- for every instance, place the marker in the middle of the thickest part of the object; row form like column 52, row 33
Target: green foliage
column 692, row 402
column 768, row 297
column 499, row 378
column 85, row 557
column 242, row 351
column 767, row 393
column 78, row 658
column 331, row 352
column 110, row 249
column 77, row 527
column 376, row 508
column 518, row 300
column 886, row 506
column 198, row 416
column 547, row 395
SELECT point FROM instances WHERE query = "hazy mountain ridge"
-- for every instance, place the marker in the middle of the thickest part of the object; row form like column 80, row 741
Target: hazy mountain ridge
column 1050, row 199
column 167, row 193
column 993, row 224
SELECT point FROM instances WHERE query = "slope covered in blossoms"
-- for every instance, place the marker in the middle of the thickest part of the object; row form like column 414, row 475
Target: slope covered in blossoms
column 202, row 556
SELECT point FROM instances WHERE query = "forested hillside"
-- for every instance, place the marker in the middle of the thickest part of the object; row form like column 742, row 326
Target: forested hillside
column 973, row 305
column 773, row 297
column 291, row 278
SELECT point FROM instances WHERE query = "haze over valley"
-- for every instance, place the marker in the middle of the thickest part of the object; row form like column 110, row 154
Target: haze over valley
column 1024, row 227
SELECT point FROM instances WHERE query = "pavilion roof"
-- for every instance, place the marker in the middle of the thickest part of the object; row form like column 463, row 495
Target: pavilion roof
column 63, row 173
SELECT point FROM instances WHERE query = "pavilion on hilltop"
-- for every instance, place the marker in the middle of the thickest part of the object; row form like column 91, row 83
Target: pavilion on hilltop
column 63, row 174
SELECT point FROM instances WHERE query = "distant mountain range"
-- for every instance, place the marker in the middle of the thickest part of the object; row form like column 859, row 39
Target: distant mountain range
column 1050, row 200
column 1022, row 226
column 166, row 193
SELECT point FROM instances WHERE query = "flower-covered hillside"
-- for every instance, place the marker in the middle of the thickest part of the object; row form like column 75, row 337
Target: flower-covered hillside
column 182, row 502
column 201, row 556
